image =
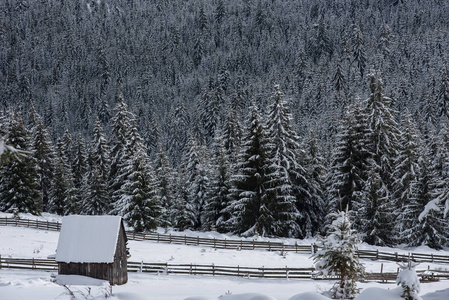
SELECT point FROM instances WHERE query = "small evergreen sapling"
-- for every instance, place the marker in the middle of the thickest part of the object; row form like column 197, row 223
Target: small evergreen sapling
column 409, row 281
column 337, row 256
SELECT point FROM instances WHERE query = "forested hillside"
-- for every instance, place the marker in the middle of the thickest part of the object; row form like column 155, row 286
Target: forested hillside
column 253, row 117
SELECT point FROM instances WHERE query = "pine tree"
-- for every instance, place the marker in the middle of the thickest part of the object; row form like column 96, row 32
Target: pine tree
column 166, row 186
column 286, row 176
column 374, row 210
column 350, row 160
column 431, row 228
column 44, row 153
column 250, row 209
column 337, row 256
column 383, row 143
column 61, row 184
column 139, row 203
column 180, row 214
column 317, row 172
column 19, row 179
column 80, row 164
column 218, row 194
column 409, row 281
column 118, row 145
column 96, row 198
column 197, row 182
column 406, row 174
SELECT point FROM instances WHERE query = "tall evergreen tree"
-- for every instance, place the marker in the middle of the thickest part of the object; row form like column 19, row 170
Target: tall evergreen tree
column 374, row 210
column 350, row 161
column 251, row 214
column 287, row 179
column 383, row 143
column 121, row 128
column 96, row 200
column 197, row 183
column 337, row 256
column 139, row 204
column 19, row 179
column 406, row 174
column 166, row 183
column 44, row 153
column 218, row 194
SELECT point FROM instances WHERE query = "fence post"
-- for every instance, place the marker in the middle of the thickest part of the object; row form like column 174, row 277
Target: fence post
column 32, row 264
column 141, row 266
column 377, row 254
column 396, row 256
column 214, row 244
column 169, row 238
column 254, row 244
column 47, row 224
column 158, row 237
column 269, row 246
column 185, row 239
column 432, row 256
column 263, row 272
column 286, row 272
column 238, row 270
column 225, row 243
column 213, row 270
column 28, row 223
column 197, row 240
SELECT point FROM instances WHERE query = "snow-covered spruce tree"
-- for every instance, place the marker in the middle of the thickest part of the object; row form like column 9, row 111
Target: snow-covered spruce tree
column 218, row 194
column 317, row 174
column 374, row 212
column 197, row 182
column 406, row 175
column 383, row 142
column 80, row 164
column 287, row 178
column 19, row 177
column 429, row 228
column 96, row 198
column 232, row 134
column 179, row 214
column 44, row 153
column 349, row 169
column 251, row 205
column 64, row 196
column 337, row 256
column 178, row 133
column 120, row 128
column 409, row 281
column 141, row 207
column 166, row 182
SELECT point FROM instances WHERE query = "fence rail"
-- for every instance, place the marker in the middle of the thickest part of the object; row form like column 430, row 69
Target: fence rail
column 219, row 270
column 236, row 244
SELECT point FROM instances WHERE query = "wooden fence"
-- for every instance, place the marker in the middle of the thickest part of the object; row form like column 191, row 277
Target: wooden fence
column 219, row 270
column 236, row 244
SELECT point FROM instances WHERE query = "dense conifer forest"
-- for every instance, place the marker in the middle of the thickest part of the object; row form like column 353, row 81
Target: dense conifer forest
column 253, row 117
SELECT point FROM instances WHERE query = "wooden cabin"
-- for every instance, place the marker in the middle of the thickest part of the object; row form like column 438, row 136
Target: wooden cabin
column 93, row 246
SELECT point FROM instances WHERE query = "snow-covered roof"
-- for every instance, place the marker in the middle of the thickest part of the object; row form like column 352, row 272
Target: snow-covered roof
column 88, row 239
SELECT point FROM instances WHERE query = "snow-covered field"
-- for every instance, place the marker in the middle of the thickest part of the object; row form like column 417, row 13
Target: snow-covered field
column 27, row 284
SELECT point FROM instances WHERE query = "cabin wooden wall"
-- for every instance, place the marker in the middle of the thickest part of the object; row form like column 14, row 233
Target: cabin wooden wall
column 120, row 259
column 95, row 270
column 115, row 273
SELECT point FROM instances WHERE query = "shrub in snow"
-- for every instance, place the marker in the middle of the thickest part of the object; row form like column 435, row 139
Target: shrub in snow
column 409, row 281
column 337, row 257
